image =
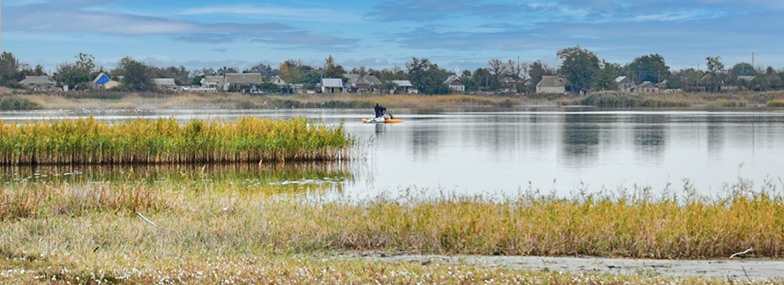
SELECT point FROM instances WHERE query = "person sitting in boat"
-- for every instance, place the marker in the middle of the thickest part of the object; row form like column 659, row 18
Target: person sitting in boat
column 379, row 110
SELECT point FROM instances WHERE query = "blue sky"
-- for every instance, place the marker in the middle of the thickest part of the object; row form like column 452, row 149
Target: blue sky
column 456, row 34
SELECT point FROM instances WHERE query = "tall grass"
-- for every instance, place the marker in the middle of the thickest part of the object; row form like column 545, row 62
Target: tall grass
column 776, row 103
column 87, row 141
column 631, row 225
column 8, row 103
column 612, row 100
column 78, row 232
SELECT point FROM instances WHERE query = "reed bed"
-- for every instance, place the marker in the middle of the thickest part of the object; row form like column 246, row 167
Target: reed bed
column 634, row 225
column 776, row 103
column 87, row 141
column 45, row 201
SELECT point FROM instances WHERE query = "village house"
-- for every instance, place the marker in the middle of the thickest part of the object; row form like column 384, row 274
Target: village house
column 455, row 84
column 42, row 83
column 216, row 82
column 332, row 85
column 363, row 83
column 646, row 87
column 299, row 88
column 103, row 81
column 625, row 83
column 278, row 81
column 551, row 84
column 242, row 81
column 404, row 87
column 165, row 84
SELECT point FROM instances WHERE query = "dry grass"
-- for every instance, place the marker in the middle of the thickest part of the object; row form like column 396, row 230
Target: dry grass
column 776, row 103
column 231, row 232
column 736, row 99
column 252, row 220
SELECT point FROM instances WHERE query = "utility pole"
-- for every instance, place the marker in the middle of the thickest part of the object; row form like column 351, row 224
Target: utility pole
column 752, row 59
column 1, row 39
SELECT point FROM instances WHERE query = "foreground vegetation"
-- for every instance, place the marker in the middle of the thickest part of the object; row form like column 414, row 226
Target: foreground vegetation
column 226, row 231
column 249, row 219
column 296, row 269
column 87, row 141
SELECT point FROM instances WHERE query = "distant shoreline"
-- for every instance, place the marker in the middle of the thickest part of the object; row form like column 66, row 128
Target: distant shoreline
column 96, row 100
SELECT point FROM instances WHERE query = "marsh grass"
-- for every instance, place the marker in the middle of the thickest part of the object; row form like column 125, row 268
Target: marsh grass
column 367, row 101
column 232, row 220
column 300, row 269
column 87, row 141
column 42, row 201
column 776, row 103
column 91, row 232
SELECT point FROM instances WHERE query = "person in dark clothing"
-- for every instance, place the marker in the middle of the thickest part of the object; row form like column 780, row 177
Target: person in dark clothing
column 379, row 110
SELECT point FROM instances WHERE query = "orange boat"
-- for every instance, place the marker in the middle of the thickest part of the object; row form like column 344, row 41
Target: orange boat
column 382, row 120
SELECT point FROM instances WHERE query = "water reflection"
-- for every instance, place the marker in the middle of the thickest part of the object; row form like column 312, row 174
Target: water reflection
column 580, row 139
column 650, row 135
column 322, row 175
column 475, row 153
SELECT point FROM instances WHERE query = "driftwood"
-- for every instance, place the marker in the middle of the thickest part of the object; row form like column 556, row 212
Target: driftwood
column 146, row 220
column 742, row 253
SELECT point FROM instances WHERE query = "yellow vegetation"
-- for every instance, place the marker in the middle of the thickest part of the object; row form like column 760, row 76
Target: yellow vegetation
column 87, row 141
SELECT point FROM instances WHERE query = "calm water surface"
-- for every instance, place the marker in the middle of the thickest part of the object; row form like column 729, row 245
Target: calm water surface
column 503, row 153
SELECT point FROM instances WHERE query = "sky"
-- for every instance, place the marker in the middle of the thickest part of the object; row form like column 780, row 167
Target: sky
column 456, row 34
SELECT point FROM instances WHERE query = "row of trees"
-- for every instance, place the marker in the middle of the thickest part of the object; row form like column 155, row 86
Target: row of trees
column 582, row 69
column 585, row 72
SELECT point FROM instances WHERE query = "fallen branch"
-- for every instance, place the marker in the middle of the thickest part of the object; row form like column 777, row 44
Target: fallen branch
column 156, row 226
column 740, row 254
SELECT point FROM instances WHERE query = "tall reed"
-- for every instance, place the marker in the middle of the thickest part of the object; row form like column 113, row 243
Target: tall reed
column 87, row 141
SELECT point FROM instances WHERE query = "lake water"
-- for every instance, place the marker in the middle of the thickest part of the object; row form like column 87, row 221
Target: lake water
column 503, row 153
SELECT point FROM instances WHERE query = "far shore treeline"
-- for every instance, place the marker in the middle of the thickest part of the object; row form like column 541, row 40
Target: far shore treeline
column 582, row 72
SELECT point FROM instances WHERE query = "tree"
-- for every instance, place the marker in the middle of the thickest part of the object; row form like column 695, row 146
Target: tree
column 332, row 70
column 742, row 69
column 179, row 74
column 605, row 78
column 265, row 70
column 79, row 74
column 290, row 72
column 714, row 78
column 484, row 80
column 136, row 75
column 535, row 73
column 9, row 70
column 650, row 68
column 427, row 77
column 579, row 67
column 37, row 71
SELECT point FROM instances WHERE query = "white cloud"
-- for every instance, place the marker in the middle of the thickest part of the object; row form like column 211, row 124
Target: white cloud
column 277, row 13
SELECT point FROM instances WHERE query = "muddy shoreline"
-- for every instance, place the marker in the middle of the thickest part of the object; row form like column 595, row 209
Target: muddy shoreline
column 740, row 269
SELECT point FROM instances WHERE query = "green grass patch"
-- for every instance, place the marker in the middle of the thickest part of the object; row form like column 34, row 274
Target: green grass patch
column 87, row 141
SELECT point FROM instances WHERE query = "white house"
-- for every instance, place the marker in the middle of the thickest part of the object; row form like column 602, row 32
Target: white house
column 165, row 83
column 625, row 83
column 332, row 85
column 404, row 87
column 455, row 84
column 39, row 83
column 551, row 84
